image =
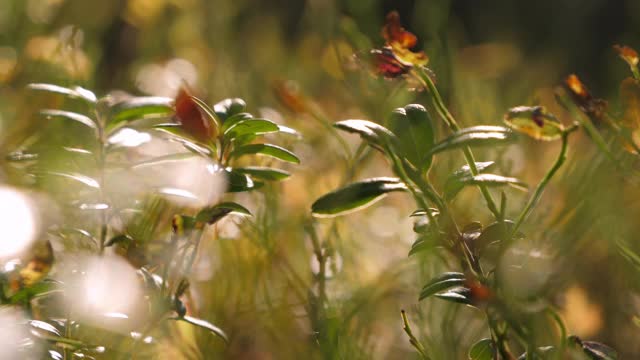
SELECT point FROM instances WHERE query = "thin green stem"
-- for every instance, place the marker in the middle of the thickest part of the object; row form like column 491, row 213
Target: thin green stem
column 544, row 182
column 444, row 113
column 412, row 339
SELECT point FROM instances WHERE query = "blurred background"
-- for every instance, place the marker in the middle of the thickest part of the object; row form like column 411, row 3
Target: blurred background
column 256, row 279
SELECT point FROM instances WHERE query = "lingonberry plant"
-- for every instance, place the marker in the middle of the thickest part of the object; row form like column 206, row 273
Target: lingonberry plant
column 133, row 222
column 518, row 324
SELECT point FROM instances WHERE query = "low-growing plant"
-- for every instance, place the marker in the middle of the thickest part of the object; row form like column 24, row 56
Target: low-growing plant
column 157, row 227
column 484, row 254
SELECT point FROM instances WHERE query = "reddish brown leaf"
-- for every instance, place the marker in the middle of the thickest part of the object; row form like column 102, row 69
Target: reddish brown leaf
column 289, row 96
column 386, row 63
column 394, row 33
column 595, row 108
column 396, row 58
column 627, row 54
column 192, row 118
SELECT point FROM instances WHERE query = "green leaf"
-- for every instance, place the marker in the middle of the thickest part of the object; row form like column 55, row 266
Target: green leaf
column 534, row 121
column 425, row 242
column 212, row 214
column 442, row 282
column 631, row 256
column 483, row 135
column 61, row 114
column 494, row 180
column 75, row 92
column 122, row 238
column 75, row 177
column 229, row 122
column 205, row 325
column 139, row 107
column 266, row 149
column 250, row 127
column 376, row 135
column 482, row 350
column 414, row 129
column 460, row 295
column 355, row 196
column 546, row 352
column 264, row 173
column 239, row 182
column 229, row 107
column 595, row 350
column 455, row 182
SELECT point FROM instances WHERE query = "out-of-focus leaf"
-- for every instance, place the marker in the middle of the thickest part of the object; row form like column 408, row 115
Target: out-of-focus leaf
column 595, row 350
column 239, row 182
column 494, row 180
column 139, row 107
column 287, row 130
column 630, row 255
column 75, row 92
column 375, row 134
column 545, row 352
column 264, row 173
column 205, row 325
column 83, row 179
column 214, row 213
column 232, row 120
column 162, row 160
column 18, row 156
column 422, row 224
column 455, row 181
column 595, row 108
column 122, row 238
column 40, row 327
column 355, row 196
column 630, row 56
column 229, row 107
column 414, row 129
column 194, row 119
column 483, row 135
column 39, row 289
column 250, row 127
column 534, row 121
column 396, row 58
column 460, row 295
column 425, row 242
column 442, row 282
column 208, row 111
column 61, row 114
column 266, row 149
column 482, row 350
column 495, row 232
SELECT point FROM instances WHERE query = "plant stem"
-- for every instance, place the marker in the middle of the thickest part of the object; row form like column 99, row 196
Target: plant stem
column 544, row 182
column 412, row 339
column 444, row 113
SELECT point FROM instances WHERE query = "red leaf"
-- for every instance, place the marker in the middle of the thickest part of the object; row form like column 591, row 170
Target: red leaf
column 192, row 118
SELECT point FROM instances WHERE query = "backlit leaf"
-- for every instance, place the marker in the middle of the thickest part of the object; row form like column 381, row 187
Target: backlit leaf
column 534, row 121
column 456, row 181
column 483, row 135
column 205, row 325
column 355, row 196
column 266, row 149
column 76, row 92
column 442, row 282
column 482, row 350
column 414, row 128
column 61, row 114
column 264, row 173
